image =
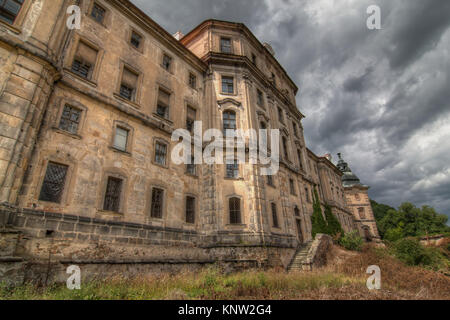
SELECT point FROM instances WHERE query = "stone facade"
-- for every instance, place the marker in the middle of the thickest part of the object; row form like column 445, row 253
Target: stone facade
column 121, row 72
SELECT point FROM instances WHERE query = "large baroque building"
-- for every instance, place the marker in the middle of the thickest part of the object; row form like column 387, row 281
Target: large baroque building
column 86, row 118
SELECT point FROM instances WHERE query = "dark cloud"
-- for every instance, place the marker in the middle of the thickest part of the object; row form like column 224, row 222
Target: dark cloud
column 382, row 97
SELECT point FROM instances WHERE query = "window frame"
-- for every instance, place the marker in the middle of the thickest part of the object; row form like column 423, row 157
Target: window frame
column 124, row 126
column 194, row 198
column 163, row 204
column 135, row 102
column 169, row 107
column 161, row 142
column 233, row 78
column 92, row 81
column 192, row 75
column 120, row 196
column 19, row 19
column 274, row 215
column 239, row 219
column 62, row 197
column 57, row 121
column 171, row 62
column 230, row 47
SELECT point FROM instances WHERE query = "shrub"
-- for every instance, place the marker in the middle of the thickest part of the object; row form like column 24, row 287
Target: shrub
column 411, row 252
column 318, row 222
column 352, row 241
column 393, row 235
column 334, row 227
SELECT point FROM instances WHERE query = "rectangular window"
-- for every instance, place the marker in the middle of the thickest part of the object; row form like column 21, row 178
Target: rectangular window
column 235, row 210
column 128, row 85
column 135, row 40
column 295, row 129
column 307, row 194
column 270, row 180
column 112, row 194
column 54, row 182
column 228, row 85
column 292, row 186
column 121, row 139
column 70, row 119
column 260, row 100
column 285, row 148
column 160, row 153
column 157, row 203
column 275, row 216
column 280, row 115
column 225, row 45
column 190, row 119
column 192, row 81
column 190, row 210
column 254, row 59
column 233, row 170
column 191, row 168
column 300, row 161
column 98, row 13
column 84, row 60
column 163, row 105
column 9, row 10
column 167, row 62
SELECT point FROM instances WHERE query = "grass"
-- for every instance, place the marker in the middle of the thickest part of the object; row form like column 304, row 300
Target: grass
column 344, row 278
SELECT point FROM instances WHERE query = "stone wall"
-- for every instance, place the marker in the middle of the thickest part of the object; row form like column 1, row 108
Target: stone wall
column 317, row 255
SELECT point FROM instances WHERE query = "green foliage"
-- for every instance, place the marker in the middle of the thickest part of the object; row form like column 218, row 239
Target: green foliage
column 334, row 227
column 408, row 221
column 352, row 241
column 411, row 252
column 319, row 224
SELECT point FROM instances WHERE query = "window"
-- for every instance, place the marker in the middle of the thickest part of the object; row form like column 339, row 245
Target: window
column 229, row 121
column 270, row 180
column 128, row 85
column 260, row 99
column 357, row 197
column 54, row 182
column 70, row 119
column 160, row 153
column 273, row 79
column 254, row 59
column 157, row 203
column 274, row 215
column 190, row 119
column 167, row 62
column 235, row 210
column 190, row 210
column 285, row 149
column 307, row 194
column 292, row 186
column 362, row 213
column 98, row 13
column 296, row 211
column 121, row 139
column 192, row 81
column 84, row 61
column 294, row 125
column 228, row 85
column 9, row 10
column 300, row 161
column 233, row 170
column 112, row 194
column 191, row 167
column 225, row 45
column 162, row 108
column 135, row 40
column 280, row 115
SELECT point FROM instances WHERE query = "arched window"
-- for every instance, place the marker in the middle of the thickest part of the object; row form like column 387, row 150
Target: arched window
column 235, row 210
column 296, row 211
column 362, row 213
column 229, row 121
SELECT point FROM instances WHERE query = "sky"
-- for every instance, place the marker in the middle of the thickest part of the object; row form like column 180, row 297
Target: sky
column 380, row 97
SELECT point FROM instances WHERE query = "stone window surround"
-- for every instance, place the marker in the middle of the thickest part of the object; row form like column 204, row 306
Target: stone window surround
column 234, row 109
column 148, row 210
column 71, row 56
column 194, row 74
column 137, row 98
column 172, row 61
column 226, row 217
column 272, row 225
column 119, row 174
column 167, row 143
column 293, row 192
column 129, row 34
column 68, row 184
column 61, row 104
column 160, row 86
column 16, row 27
column 190, row 104
column 130, row 138
column 108, row 14
column 239, row 177
column 196, row 208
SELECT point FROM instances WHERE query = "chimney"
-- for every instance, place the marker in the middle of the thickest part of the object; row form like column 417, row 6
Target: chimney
column 179, row 35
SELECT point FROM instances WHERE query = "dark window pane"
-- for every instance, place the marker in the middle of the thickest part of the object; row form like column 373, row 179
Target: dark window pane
column 191, row 168
column 157, row 203
column 54, row 181
column 233, row 170
column 160, row 154
column 112, row 195
column 126, row 92
column 296, row 212
column 135, row 40
column 229, row 121
column 225, row 45
column 98, row 13
column 235, row 211
column 228, row 85
column 190, row 210
column 192, row 81
column 81, row 68
column 9, row 9
column 70, row 119
column 167, row 61
column 275, row 215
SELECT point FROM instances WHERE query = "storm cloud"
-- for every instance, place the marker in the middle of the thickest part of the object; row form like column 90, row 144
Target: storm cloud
column 381, row 97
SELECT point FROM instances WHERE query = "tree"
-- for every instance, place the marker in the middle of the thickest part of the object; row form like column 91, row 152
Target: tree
column 334, row 227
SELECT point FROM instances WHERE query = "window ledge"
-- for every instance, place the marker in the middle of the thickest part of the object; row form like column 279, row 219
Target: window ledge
column 126, row 153
column 168, row 71
column 195, row 176
column 11, row 27
column 158, row 117
column 234, row 179
column 236, row 225
column 105, row 212
column 160, row 165
column 234, row 94
column 66, row 133
column 78, row 77
column 99, row 23
column 132, row 103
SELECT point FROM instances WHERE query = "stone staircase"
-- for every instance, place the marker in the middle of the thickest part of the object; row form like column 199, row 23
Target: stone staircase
column 299, row 261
